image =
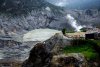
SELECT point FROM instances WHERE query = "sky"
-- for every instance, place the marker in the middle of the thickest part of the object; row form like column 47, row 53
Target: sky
column 76, row 3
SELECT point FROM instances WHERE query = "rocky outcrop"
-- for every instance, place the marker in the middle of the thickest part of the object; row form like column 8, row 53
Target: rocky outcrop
column 41, row 57
column 57, row 42
column 71, row 60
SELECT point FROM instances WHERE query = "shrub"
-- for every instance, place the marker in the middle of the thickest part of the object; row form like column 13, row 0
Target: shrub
column 64, row 31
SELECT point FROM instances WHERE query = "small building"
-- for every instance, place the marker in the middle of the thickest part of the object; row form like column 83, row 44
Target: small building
column 93, row 33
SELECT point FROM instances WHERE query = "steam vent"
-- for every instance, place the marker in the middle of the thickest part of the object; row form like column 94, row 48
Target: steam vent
column 49, row 33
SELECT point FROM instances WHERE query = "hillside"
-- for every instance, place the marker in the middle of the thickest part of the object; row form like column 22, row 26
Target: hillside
column 20, row 16
column 28, row 15
column 89, row 17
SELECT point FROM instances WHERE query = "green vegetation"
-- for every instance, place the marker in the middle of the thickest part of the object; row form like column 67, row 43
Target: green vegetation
column 86, row 47
column 83, row 29
column 64, row 31
column 97, row 41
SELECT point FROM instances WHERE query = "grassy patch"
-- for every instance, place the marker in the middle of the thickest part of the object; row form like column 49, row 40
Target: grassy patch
column 97, row 41
column 86, row 49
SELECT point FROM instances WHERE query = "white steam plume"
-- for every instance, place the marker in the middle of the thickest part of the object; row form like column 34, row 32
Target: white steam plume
column 73, row 22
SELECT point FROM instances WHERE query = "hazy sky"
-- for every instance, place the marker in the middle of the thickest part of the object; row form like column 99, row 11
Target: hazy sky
column 76, row 3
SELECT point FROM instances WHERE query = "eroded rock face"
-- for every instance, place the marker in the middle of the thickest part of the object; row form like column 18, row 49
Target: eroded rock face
column 39, row 57
column 71, row 60
column 57, row 42
column 20, row 5
column 26, row 15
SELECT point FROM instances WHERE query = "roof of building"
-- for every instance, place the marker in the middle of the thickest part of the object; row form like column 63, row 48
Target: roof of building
column 93, row 30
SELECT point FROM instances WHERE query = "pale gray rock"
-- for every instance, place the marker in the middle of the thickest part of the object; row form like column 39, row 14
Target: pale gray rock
column 57, row 42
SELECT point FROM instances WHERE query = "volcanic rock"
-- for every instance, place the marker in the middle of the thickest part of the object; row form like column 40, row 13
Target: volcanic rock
column 57, row 42
column 39, row 57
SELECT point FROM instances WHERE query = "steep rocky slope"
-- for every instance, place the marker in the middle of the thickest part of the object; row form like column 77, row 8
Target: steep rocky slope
column 19, row 15
column 25, row 15
column 89, row 17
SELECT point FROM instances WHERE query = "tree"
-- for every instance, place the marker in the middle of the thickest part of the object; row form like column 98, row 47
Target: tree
column 64, row 31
